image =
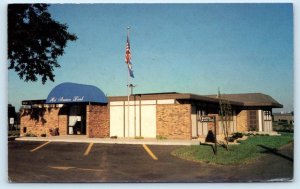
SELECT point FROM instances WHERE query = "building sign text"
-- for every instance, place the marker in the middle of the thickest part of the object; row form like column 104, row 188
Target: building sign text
column 207, row 119
column 64, row 99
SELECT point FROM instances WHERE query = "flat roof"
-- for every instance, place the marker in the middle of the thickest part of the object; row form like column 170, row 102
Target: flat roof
column 246, row 99
column 161, row 96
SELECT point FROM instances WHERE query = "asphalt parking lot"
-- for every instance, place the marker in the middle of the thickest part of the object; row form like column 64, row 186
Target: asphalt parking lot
column 84, row 162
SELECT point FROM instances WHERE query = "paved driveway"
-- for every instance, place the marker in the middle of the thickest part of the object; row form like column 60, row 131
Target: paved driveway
column 82, row 162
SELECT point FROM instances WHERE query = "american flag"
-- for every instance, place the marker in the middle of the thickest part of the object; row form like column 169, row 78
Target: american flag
column 127, row 52
column 128, row 58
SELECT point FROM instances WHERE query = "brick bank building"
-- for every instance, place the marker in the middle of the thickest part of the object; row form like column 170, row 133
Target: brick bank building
column 77, row 109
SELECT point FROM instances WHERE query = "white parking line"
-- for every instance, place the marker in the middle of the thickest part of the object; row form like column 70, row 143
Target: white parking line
column 150, row 152
column 87, row 151
column 40, row 146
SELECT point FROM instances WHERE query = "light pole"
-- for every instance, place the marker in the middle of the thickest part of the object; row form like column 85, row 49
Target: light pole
column 131, row 86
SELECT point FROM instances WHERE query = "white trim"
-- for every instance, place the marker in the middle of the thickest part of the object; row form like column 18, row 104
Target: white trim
column 148, row 102
column 120, row 103
column 166, row 101
column 260, row 121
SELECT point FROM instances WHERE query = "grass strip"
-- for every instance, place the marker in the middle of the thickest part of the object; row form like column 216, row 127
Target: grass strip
column 248, row 150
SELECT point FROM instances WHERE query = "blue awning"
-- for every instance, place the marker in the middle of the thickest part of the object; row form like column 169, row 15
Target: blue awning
column 74, row 93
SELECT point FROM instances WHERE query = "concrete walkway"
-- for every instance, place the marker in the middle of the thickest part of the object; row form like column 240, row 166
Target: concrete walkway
column 84, row 139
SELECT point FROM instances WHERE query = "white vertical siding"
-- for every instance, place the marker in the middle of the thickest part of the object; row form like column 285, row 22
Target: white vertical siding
column 221, row 128
column 148, row 121
column 134, row 121
column 116, row 124
column 231, row 126
column 260, row 120
column 137, row 119
column 267, row 121
column 202, row 128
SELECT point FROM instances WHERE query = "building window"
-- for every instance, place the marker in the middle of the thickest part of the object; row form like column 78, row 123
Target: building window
column 267, row 116
column 252, row 120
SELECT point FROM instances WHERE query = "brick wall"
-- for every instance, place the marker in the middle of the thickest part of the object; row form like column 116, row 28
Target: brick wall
column 242, row 121
column 173, row 121
column 39, row 120
column 63, row 121
column 97, row 121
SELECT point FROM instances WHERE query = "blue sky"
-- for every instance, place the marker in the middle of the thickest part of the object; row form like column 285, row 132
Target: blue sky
column 192, row 48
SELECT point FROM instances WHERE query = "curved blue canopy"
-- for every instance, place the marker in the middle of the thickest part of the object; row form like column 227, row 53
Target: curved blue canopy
column 73, row 92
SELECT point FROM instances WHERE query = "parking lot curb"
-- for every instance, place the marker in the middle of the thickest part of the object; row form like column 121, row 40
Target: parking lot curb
column 112, row 141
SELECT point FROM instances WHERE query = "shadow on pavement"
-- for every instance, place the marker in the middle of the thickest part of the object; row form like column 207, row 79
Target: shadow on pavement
column 275, row 152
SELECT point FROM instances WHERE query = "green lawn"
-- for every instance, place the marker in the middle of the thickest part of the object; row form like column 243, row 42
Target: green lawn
column 247, row 150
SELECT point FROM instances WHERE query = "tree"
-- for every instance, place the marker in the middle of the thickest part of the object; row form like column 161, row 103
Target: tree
column 226, row 116
column 35, row 41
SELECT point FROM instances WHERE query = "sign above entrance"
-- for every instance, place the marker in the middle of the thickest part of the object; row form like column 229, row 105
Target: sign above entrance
column 63, row 99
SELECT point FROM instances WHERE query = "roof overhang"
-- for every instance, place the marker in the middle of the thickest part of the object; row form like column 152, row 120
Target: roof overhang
column 269, row 102
column 31, row 102
column 271, row 105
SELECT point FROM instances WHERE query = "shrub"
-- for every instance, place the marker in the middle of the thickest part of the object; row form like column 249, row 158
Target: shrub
column 43, row 135
column 237, row 135
column 138, row 137
column 234, row 137
column 14, row 133
column 114, row 137
column 160, row 137
column 30, row 135
column 230, row 139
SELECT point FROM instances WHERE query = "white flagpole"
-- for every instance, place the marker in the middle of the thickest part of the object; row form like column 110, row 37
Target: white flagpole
column 128, row 82
column 128, row 78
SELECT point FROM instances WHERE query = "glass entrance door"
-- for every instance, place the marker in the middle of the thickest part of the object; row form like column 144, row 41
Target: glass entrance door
column 77, row 125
